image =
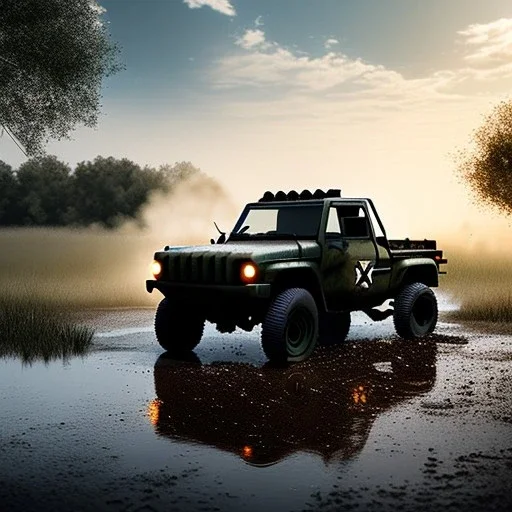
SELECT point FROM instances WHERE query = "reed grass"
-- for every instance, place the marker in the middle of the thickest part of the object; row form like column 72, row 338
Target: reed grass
column 480, row 282
column 48, row 277
column 32, row 330
column 77, row 268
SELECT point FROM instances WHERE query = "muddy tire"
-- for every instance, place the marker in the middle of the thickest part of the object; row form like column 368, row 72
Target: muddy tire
column 415, row 312
column 289, row 330
column 334, row 328
column 177, row 329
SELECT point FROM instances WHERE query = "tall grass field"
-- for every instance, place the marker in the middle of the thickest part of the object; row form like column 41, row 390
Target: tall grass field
column 480, row 282
column 47, row 274
column 85, row 269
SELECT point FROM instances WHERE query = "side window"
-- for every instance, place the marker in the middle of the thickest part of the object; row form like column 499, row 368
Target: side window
column 333, row 224
column 354, row 222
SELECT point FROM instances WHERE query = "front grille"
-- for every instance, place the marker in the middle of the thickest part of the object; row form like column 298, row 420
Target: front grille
column 205, row 268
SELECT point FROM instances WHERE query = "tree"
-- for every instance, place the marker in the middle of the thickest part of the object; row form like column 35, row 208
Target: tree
column 8, row 187
column 44, row 192
column 488, row 167
column 47, row 192
column 108, row 190
column 54, row 55
column 179, row 172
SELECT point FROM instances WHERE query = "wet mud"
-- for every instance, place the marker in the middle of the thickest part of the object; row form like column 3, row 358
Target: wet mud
column 374, row 424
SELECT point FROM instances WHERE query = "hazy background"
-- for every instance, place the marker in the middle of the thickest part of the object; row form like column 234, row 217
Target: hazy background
column 369, row 96
column 376, row 98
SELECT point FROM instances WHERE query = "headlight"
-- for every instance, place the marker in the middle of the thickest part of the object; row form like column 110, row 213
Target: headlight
column 156, row 269
column 248, row 272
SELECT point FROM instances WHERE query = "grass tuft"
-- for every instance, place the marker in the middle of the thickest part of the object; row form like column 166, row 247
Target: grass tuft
column 33, row 330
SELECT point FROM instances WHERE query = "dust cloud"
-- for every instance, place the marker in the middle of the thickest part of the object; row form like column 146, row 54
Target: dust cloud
column 185, row 215
column 99, row 268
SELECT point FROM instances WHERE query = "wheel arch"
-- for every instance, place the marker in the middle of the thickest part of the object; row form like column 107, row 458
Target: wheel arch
column 298, row 276
column 416, row 270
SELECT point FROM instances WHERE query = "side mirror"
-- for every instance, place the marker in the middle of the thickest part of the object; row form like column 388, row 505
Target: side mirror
column 212, row 241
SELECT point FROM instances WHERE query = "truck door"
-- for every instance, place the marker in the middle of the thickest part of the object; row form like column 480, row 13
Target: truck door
column 350, row 261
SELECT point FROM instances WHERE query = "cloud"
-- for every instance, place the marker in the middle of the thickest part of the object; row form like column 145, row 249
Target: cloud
column 252, row 38
column 270, row 64
column 267, row 65
column 490, row 45
column 330, row 43
column 222, row 6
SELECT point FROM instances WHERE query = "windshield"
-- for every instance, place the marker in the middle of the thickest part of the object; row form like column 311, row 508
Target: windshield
column 285, row 221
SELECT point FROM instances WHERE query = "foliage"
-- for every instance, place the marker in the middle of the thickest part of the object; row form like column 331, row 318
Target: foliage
column 179, row 172
column 43, row 192
column 109, row 190
column 106, row 191
column 7, row 193
column 488, row 168
column 54, row 55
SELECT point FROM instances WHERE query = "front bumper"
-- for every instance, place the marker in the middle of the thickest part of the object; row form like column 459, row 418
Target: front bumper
column 207, row 292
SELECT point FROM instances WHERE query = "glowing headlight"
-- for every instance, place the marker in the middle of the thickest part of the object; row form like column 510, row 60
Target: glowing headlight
column 156, row 268
column 248, row 272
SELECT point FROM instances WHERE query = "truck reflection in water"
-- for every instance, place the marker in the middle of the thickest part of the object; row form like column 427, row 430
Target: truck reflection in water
column 326, row 405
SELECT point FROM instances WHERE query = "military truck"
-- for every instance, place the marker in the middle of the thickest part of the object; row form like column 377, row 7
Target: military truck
column 298, row 264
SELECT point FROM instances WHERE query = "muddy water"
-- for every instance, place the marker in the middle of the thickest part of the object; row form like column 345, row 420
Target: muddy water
column 373, row 425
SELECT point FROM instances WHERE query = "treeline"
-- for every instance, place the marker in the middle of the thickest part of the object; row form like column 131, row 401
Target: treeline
column 46, row 192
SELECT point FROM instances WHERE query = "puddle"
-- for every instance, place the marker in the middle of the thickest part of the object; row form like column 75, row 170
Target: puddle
column 356, row 427
column 116, row 333
column 326, row 405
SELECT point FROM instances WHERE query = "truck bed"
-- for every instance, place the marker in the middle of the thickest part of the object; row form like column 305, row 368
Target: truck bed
column 406, row 248
column 407, row 244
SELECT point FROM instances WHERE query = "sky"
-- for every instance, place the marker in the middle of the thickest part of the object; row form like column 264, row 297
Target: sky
column 374, row 97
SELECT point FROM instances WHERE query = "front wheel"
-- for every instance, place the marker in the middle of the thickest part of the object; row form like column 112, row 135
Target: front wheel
column 415, row 312
column 177, row 329
column 289, row 330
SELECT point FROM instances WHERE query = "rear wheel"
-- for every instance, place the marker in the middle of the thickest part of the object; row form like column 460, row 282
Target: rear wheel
column 177, row 328
column 415, row 312
column 290, row 328
column 334, row 328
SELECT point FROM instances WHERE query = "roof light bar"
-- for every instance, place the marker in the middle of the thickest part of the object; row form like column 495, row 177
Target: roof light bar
column 293, row 195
